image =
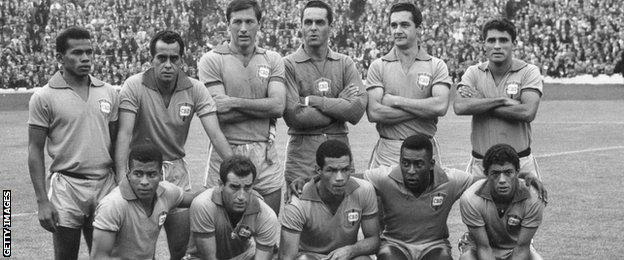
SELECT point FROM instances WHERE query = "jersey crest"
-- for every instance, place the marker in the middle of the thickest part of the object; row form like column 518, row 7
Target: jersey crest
column 513, row 220
column 512, row 88
column 185, row 110
column 263, row 71
column 241, row 231
column 437, row 200
column 105, row 106
column 323, row 85
column 353, row 217
column 424, row 79
column 161, row 218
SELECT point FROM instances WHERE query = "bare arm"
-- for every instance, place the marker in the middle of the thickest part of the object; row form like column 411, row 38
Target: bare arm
column 525, row 111
column 103, row 243
column 377, row 112
column 431, row 107
column 289, row 244
column 263, row 254
column 206, row 245
column 367, row 246
column 522, row 250
column 47, row 214
column 187, row 198
column 124, row 136
column 470, row 102
column 211, row 126
column 484, row 251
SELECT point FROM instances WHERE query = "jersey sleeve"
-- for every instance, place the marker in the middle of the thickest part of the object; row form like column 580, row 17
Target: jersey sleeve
column 278, row 71
column 205, row 105
column 468, row 206
column 114, row 115
column 534, row 209
column 201, row 213
column 268, row 233
column 374, row 75
column 128, row 97
column 173, row 194
column 39, row 111
column 532, row 80
column 469, row 78
column 109, row 215
column 369, row 198
column 294, row 217
column 208, row 69
column 441, row 74
column 461, row 180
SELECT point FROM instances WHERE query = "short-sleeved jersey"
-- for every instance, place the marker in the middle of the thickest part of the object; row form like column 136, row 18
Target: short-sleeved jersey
column 488, row 130
column 137, row 231
column 165, row 126
column 259, row 222
column 387, row 73
column 321, row 81
column 479, row 210
column 220, row 66
column 321, row 231
column 421, row 219
column 78, row 136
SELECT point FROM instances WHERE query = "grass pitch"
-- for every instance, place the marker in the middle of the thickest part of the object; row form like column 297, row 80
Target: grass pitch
column 579, row 146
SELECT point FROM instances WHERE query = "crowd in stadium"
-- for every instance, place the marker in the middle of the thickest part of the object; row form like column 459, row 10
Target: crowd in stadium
column 564, row 38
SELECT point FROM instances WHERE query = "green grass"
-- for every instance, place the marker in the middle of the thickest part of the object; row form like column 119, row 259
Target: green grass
column 584, row 219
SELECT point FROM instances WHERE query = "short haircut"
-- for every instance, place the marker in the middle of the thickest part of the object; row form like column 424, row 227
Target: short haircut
column 418, row 142
column 145, row 153
column 320, row 4
column 167, row 37
column 239, row 5
column 409, row 7
column 240, row 165
column 500, row 154
column 499, row 24
column 332, row 149
column 73, row 32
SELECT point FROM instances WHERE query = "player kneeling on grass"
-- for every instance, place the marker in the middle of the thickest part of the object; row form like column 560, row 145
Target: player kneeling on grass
column 502, row 214
column 128, row 220
column 323, row 222
column 232, row 221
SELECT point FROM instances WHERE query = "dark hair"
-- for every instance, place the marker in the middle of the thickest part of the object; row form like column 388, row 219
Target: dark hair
column 416, row 14
column 320, row 4
column 145, row 153
column 238, row 5
column 332, row 149
column 240, row 165
column 168, row 37
column 418, row 142
column 72, row 32
column 500, row 154
column 499, row 24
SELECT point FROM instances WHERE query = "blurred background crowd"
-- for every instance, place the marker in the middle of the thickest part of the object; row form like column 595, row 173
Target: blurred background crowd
column 563, row 37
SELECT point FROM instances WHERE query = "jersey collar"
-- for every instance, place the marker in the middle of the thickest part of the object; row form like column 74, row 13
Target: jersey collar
column 128, row 194
column 224, row 49
column 439, row 176
column 182, row 83
column 252, row 208
column 521, row 193
column 301, row 56
column 57, row 81
column 310, row 192
column 392, row 55
column 516, row 65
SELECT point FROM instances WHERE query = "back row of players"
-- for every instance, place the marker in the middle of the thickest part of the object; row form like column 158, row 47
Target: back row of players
column 242, row 90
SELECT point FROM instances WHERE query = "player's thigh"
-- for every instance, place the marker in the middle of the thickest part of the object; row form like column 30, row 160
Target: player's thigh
column 177, row 227
column 274, row 199
column 392, row 252
column 66, row 242
column 535, row 255
column 437, row 253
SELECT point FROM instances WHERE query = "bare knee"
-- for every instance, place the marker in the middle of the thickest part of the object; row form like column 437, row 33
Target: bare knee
column 390, row 252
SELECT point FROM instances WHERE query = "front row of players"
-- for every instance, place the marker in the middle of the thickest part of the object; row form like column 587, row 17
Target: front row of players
column 232, row 221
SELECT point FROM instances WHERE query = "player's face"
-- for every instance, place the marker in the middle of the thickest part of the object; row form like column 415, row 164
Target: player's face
column 335, row 174
column 416, row 166
column 503, row 180
column 236, row 192
column 498, row 46
column 166, row 61
column 243, row 28
column 77, row 58
column 404, row 31
column 144, row 178
column 315, row 27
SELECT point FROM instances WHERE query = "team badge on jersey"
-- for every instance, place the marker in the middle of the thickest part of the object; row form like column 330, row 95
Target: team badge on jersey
column 161, row 218
column 513, row 220
column 424, row 79
column 263, row 72
column 241, row 231
column 323, row 85
column 105, row 106
column 353, row 217
column 185, row 110
column 512, row 88
column 437, row 200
